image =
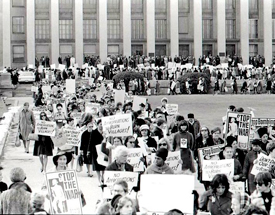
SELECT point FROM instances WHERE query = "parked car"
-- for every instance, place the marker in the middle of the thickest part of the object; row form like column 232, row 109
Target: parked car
column 26, row 77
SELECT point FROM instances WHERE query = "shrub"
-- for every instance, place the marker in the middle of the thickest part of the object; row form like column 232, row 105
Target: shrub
column 194, row 80
column 127, row 76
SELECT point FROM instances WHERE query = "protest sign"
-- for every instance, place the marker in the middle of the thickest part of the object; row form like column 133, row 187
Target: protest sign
column 53, row 66
column 45, row 128
column 172, row 109
column 257, row 123
column 262, row 163
column 59, row 114
column 70, row 86
column 173, row 161
column 237, row 187
column 137, row 101
column 101, row 156
column 133, row 159
column 209, row 152
column 238, row 125
column 110, row 177
column 31, row 66
column 59, row 140
column 46, row 89
column 119, row 96
column 170, row 65
column 61, row 67
column 100, row 66
column 157, row 186
column 92, row 108
column 118, row 125
column 140, row 66
column 64, row 192
column 142, row 144
column 212, row 167
column 72, row 135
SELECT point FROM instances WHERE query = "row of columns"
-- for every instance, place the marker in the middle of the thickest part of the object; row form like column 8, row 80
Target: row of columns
column 150, row 29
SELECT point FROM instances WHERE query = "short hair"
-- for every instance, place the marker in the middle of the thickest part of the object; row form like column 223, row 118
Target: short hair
column 59, row 105
column 119, row 150
column 220, row 179
column 26, row 104
column 179, row 118
column 263, row 177
column 37, row 200
column 122, row 183
column 174, row 212
column 17, row 174
column 160, row 122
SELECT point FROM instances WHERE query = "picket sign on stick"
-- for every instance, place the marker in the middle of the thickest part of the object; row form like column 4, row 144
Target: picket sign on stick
column 70, row 86
column 212, row 167
column 118, row 125
column 262, row 163
column 209, row 152
column 100, row 156
column 119, row 96
column 172, row 109
column 45, row 128
column 133, row 158
column 63, row 190
column 72, row 135
column 238, row 125
column 110, row 177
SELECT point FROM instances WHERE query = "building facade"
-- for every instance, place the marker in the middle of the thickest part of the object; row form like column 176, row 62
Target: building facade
column 36, row 28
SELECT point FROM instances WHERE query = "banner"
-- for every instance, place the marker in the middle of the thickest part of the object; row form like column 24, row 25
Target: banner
column 172, row 109
column 110, row 177
column 238, row 125
column 210, row 168
column 137, row 101
column 161, row 187
column 45, row 128
column 72, row 135
column 173, row 161
column 133, row 159
column 207, row 153
column 262, row 163
column 119, row 96
column 64, row 192
column 70, row 86
column 92, row 108
column 257, row 123
column 118, row 125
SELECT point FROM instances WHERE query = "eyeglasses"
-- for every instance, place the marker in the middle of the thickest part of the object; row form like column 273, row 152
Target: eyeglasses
column 131, row 141
column 259, row 183
column 163, row 144
column 43, row 115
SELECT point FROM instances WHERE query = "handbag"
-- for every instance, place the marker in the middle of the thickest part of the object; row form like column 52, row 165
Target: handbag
column 33, row 136
column 18, row 141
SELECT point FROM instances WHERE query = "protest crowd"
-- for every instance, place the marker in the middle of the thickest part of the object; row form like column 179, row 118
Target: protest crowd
column 256, row 77
column 82, row 121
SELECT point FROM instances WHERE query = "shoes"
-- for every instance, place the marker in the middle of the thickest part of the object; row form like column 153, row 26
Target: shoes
column 90, row 175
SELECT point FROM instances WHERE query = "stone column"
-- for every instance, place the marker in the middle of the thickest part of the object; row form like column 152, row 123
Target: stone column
column 103, row 30
column 174, row 27
column 79, row 32
column 221, row 33
column 127, row 30
column 150, row 26
column 54, row 31
column 244, row 29
column 30, row 34
column 197, row 7
column 6, row 8
column 267, row 31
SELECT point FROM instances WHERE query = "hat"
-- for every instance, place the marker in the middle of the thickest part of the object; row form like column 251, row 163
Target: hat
column 162, row 153
column 60, row 153
column 240, row 110
column 256, row 142
column 262, row 131
column 143, row 127
column 164, row 99
column 215, row 130
column 190, row 116
column 142, row 105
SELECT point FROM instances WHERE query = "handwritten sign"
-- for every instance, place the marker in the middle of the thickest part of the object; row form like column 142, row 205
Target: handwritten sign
column 133, row 159
column 118, row 125
column 72, row 135
column 45, row 128
column 212, row 167
column 262, row 163
column 157, row 186
column 237, row 187
column 61, row 67
column 110, row 177
column 92, row 108
column 209, row 152
column 238, row 125
column 172, row 109
column 173, row 161
column 64, row 192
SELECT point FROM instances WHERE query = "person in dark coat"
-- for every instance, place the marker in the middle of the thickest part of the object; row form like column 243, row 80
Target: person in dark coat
column 249, row 163
column 120, row 163
column 44, row 146
column 96, row 138
column 14, row 79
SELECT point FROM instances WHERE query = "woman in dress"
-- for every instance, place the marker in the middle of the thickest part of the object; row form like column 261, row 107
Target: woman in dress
column 44, row 146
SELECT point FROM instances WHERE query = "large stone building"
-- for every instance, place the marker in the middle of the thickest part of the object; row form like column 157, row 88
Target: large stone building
column 54, row 28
